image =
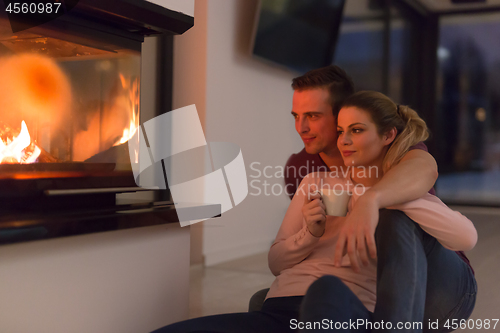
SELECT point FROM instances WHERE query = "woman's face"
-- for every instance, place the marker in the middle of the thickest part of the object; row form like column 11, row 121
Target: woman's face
column 358, row 139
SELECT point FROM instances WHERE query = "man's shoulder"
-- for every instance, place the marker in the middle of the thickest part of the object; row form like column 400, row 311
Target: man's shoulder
column 300, row 165
column 302, row 158
column 421, row 145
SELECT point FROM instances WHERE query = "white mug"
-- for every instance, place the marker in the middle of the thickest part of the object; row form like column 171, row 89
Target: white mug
column 335, row 201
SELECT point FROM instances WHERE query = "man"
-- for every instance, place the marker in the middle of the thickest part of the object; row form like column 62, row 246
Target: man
column 317, row 98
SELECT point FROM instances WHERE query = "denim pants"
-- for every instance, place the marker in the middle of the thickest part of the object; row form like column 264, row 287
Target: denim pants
column 418, row 280
column 274, row 317
column 421, row 286
column 419, row 283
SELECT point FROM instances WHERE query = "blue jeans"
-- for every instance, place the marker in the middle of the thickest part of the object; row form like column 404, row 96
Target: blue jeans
column 421, row 286
column 274, row 317
column 418, row 281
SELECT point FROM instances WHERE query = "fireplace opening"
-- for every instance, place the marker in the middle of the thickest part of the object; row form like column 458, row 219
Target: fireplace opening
column 69, row 104
column 67, row 110
column 61, row 110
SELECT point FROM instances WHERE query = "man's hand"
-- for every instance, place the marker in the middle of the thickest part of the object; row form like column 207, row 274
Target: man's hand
column 314, row 214
column 357, row 236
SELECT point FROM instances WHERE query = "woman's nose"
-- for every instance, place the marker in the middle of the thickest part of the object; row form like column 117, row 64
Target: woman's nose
column 344, row 139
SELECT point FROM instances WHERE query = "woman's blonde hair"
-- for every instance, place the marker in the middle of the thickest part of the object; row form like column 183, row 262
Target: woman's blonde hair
column 411, row 129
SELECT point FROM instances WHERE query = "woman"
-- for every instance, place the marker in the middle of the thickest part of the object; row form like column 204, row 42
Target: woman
column 372, row 133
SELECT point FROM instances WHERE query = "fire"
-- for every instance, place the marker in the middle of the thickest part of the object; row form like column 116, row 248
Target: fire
column 19, row 149
column 128, row 132
column 113, row 123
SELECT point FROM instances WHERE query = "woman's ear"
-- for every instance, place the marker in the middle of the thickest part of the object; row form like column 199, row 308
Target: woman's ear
column 390, row 136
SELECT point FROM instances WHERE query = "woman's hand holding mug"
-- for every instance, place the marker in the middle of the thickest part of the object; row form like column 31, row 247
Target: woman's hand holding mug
column 314, row 212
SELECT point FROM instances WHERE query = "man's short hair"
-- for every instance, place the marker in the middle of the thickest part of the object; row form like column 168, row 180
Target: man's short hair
column 333, row 78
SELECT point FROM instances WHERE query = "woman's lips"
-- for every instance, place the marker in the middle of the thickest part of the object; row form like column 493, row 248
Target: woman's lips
column 308, row 140
column 348, row 153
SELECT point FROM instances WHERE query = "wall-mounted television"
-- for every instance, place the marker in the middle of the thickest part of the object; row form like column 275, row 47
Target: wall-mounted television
column 298, row 34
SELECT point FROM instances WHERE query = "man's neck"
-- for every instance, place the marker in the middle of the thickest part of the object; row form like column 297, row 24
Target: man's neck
column 332, row 160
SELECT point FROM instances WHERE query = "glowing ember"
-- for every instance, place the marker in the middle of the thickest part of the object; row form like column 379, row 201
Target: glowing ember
column 18, row 149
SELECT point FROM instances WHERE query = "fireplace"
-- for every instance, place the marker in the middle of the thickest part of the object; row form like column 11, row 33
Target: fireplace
column 69, row 104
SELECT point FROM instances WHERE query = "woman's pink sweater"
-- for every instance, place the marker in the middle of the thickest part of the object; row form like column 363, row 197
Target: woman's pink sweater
column 298, row 258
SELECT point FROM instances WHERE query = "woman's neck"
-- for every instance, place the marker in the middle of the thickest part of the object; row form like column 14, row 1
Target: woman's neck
column 366, row 176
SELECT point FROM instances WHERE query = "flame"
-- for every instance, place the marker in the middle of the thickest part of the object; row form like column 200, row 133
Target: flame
column 15, row 150
column 112, row 124
column 123, row 80
column 128, row 132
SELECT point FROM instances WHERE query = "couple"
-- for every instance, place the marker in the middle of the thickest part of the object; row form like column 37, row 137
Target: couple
column 400, row 266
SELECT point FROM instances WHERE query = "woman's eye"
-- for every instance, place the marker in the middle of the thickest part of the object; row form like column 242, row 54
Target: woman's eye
column 339, row 132
column 357, row 130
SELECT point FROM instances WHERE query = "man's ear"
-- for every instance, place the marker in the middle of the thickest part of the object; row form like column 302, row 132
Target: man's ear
column 390, row 136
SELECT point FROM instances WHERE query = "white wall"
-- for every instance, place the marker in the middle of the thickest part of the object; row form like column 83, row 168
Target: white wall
column 190, row 87
column 183, row 6
column 240, row 100
column 247, row 103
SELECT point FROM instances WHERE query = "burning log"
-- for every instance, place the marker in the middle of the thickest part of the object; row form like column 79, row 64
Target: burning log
column 45, row 157
column 16, row 147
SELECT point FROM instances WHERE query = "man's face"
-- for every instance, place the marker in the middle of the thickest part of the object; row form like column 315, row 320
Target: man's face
column 314, row 120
